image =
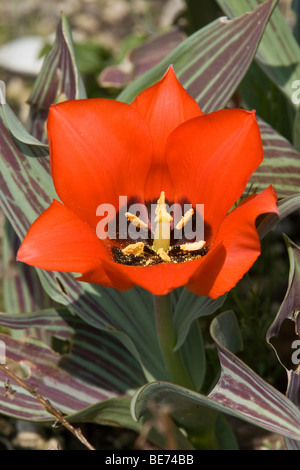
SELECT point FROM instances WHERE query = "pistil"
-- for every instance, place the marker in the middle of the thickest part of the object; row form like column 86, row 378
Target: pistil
column 163, row 220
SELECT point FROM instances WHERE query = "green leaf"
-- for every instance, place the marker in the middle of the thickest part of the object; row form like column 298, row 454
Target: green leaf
column 17, row 128
column 211, row 63
column 280, row 166
column 296, row 130
column 188, row 308
column 240, row 392
column 89, row 376
column 193, row 355
column 22, row 289
column 116, row 412
column 110, row 412
column 225, row 330
column 278, row 54
column 58, row 80
column 296, row 10
column 92, row 367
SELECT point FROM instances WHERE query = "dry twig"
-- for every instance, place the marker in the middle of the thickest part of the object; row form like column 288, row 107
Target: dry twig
column 49, row 407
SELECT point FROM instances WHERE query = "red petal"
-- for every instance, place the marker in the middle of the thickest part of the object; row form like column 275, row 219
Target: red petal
column 164, row 106
column 99, row 149
column 235, row 249
column 211, row 158
column 59, row 241
column 159, row 279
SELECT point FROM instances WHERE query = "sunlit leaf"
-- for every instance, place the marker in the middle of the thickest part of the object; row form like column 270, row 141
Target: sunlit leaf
column 58, row 80
column 211, row 63
column 92, row 366
column 280, row 166
column 278, row 54
column 22, row 289
column 296, row 129
column 240, row 392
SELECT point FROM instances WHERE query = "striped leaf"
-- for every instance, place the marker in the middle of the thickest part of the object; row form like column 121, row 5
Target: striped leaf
column 240, row 392
column 293, row 393
column 280, row 166
column 58, row 80
column 278, row 54
column 289, row 309
column 291, row 303
column 91, row 379
column 94, row 368
column 22, row 289
column 211, row 63
column 17, row 129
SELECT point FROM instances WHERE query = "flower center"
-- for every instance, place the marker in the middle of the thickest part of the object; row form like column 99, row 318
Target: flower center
column 161, row 250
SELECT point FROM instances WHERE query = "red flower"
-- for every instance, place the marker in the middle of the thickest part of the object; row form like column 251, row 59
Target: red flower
column 161, row 144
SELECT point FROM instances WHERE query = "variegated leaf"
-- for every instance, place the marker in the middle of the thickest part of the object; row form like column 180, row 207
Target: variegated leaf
column 22, row 289
column 280, row 166
column 278, row 54
column 290, row 309
column 92, row 367
column 240, row 392
column 58, row 80
column 211, row 63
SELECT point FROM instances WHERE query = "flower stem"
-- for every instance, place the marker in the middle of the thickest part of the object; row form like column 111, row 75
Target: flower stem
column 167, row 340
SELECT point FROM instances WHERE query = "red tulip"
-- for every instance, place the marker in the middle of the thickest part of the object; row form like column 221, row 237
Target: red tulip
column 159, row 149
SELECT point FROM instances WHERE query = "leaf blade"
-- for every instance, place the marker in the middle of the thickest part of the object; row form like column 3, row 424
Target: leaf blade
column 240, row 392
column 198, row 60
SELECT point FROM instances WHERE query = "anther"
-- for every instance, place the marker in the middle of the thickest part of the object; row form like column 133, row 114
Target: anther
column 187, row 216
column 136, row 220
column 163, row 255
column 135, row 249
column 193, row 246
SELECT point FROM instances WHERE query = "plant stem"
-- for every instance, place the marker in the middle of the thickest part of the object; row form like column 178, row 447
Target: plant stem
column 166, row 335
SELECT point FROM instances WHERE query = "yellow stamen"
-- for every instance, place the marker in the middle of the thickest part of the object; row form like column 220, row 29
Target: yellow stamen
column 187, row 216
column 136, row 220
column 136, row 249
column 163, row 219
column 164, row 256
column 193, row 246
